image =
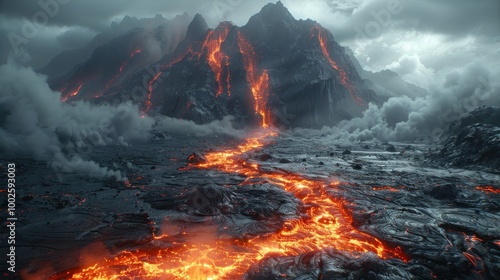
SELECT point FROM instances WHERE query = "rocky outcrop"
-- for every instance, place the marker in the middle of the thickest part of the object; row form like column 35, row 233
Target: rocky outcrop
column 473, row 140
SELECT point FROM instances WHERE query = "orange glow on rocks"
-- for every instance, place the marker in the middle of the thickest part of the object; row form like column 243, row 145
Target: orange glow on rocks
column 152, row 82
column 344, row 79
column 208, row 255
column 257, row 79
column 72, row 94
column 122, row 67
column 215, row 56
column 488, row 189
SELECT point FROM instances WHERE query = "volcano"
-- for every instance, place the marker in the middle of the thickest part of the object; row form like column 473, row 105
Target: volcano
column 214, row 202
column 273, row 70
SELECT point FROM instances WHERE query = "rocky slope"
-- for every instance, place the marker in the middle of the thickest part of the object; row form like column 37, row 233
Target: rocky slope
column 473, row 140
column 275, row 69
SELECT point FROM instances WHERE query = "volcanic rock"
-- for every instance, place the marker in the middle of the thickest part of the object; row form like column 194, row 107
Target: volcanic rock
column 307, row 79
column 196, row 158
column 265, row 157
column 357, row 166
column 346, row 152
column 447, row 191
column 473, row 140
column 391, row 149
column 284, row 160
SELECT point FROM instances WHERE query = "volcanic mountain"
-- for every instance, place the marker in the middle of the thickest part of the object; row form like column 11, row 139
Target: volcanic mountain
column 111, row 63
column 273, row 70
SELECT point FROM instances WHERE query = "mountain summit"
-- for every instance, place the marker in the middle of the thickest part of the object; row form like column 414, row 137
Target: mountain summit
column 275, row 70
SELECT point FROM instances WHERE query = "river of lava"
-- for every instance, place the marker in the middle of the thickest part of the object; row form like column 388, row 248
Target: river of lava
column 210, row 256
column 215, row 56
column 258, row 80
column 344, row 79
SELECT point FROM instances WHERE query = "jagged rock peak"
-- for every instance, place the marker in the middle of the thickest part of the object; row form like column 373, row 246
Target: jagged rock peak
column 197, row 27
column 273, row 13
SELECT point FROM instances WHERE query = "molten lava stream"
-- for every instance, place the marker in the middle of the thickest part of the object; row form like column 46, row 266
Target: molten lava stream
column 155, row 78
column 344, row 79
column 72, row 94
column 259, row 82
column 207, row 256
column 215, row 57
column 122, row 67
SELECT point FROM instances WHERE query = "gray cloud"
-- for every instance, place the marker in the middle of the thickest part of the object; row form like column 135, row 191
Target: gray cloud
column 34, row 122
column 77, row 21
column 405, row 119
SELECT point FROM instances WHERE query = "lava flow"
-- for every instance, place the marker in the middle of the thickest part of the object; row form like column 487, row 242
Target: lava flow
column 209, row 255
column 72, row 94
column 344, row 79
column 215, row 56
column 155, row 77
column 122, row 67
column 259, row 82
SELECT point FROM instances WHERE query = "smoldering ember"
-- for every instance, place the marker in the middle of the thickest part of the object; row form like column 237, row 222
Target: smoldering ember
column 258, row 148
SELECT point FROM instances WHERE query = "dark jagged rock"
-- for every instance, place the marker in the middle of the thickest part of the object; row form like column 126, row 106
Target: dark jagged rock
column 64, row 62
column 448, row 191
column 197, row 158
column 284, row 160
column 333, row 264
column 196, row 28
column 311, row 80
column 247, row 211
column 473, row 140
column 111, row 65
column 357, row 166
column 391, row 149
column 265, row 157
column 347, row 152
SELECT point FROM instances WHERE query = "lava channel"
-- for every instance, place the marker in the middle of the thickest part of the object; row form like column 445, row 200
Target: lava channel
column 72, row 94
column 344, row 79
column 209, row 256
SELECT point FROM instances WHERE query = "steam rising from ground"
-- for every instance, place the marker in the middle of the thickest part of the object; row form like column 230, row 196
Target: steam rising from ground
column 34, row 122
column 405, row 119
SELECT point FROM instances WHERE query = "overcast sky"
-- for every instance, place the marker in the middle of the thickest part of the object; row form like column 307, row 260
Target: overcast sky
column 416, row 38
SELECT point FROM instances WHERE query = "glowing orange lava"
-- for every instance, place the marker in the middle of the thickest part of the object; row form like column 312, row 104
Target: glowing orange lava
column 155, row 78
column 122, row 67
column 215, row 56
column 344, row 79
column 209, row 256
column 489, row 189
column 258, row 80
column 72, row 94
column 206, row 253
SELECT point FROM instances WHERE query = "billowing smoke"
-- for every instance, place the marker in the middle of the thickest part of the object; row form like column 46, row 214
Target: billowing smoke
column 405, row 119
column 34, row 122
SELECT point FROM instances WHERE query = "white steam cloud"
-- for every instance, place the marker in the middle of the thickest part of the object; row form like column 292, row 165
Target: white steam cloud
column 34, row 122
column 405, row 119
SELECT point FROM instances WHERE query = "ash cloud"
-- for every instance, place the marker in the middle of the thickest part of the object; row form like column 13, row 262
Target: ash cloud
column 34, row 122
